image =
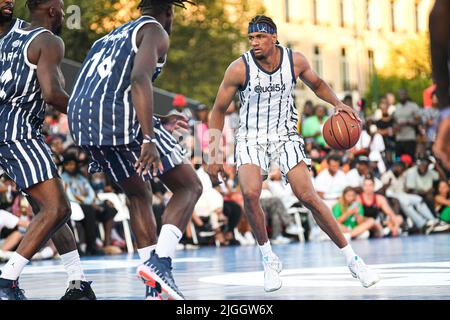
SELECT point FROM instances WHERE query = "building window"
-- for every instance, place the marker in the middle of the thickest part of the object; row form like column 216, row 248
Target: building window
column 345, row 70
column 416, row 15
column 392, row 15
column 371, row 62
column 286, row 11
column 341, row 14
column 317, row 61
column 315, row 13
column 368, row 14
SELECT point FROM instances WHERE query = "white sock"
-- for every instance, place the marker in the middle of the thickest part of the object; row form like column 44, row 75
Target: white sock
column 266, row 249
column 72, row 264
column 144, row 253
column 348, row 253
column 168, row 239
column 14, row 267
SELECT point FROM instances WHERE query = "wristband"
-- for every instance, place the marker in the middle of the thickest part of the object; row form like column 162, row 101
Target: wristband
column 148, row 139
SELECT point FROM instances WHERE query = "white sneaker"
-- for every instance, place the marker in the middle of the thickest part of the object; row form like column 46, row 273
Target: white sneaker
column 363, row 236
column 272, row 268
column 280, row 240
column 250, row 239
column 362, row 272
column 347, row 236
column 441, row 226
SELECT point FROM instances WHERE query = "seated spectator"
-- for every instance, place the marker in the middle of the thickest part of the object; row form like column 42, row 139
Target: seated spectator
column 349, row 213
column 419, row 180
column 79, row 190
column 442, row 201
column 412, row 205
column 210, row 207
column 332, row 181
column 276, row 212
column 355, row 177
column 374, row 205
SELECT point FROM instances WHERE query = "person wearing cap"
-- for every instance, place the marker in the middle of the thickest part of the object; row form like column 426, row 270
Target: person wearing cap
column 180, row 108
column 355, row 177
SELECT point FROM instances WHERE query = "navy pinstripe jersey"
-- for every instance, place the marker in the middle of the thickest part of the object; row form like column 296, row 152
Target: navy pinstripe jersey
column 22, row 106
column 100, row 109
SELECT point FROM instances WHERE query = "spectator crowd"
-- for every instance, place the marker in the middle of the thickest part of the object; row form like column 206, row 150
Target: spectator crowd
column 388, row 185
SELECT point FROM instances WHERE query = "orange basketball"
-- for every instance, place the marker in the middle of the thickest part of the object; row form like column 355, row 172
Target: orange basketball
column 341, row 132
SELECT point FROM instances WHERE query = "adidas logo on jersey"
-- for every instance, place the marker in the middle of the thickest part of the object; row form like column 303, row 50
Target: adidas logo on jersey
column 271, row 88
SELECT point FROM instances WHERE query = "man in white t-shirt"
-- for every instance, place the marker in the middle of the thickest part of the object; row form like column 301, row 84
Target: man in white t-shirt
column 412, row 205
column 355, row 177
column 331, row 182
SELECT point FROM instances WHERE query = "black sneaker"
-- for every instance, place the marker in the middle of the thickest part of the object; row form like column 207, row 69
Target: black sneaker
column 12, row 291
column 79, row 290
column 158, row 271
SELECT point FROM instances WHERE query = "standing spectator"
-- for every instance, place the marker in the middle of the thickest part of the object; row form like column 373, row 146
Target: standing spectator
column 349, row 213
column 385, row 126
column 201, row 128
column 407, row 119
column 375, row 204
column 412, row 205
column 312, row 126
column 180, row 107
column 331, row 182
column 389, row 100
column 442, row 201
column 430, row 119
column 371, row 144
column 420, row 180
column 230, row 127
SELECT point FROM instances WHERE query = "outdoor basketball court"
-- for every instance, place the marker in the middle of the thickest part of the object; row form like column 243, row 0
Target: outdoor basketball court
column 414, row 267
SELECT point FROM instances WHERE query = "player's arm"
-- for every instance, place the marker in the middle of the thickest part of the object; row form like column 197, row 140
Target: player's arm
column 47, row 52
column 322, row 90
column 153, row 43
column 233, row 79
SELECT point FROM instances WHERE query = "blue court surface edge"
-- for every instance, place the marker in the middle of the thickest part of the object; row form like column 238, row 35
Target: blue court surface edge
column 414, row 267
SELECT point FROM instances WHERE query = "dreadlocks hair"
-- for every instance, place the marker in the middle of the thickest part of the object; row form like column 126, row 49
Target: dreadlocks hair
column 159, row 5
column 34, row 4
column 263, row 19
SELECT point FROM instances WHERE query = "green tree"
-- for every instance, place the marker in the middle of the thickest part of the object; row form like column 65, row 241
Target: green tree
column 409, row 66
column 206, row 38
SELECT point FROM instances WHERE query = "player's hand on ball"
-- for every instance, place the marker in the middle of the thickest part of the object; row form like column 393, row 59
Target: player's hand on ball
column 149, row 160
column 341, row 107
column 213, row 170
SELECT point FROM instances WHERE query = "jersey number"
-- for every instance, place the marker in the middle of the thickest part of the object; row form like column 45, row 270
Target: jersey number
column 103, row 67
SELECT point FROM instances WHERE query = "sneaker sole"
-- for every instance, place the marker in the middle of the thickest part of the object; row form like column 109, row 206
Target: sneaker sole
column 371, row 283
column 151, row 279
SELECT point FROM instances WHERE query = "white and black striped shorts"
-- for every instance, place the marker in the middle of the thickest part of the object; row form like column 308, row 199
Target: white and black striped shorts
column 118, row 161
column 285, row 154
column 27, row 162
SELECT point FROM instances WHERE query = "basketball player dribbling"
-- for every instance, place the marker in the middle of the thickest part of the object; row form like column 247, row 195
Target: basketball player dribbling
column 265, row 78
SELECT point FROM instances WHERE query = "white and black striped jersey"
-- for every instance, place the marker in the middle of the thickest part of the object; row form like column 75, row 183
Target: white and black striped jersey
column 22, row 106
column 101, row 111
column 268, row 112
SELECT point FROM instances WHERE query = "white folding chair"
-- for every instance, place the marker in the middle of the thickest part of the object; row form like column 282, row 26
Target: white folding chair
column 296, row 212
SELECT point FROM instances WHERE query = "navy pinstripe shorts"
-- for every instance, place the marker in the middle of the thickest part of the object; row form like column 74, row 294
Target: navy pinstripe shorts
column 27, row 162
column 118, row 161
